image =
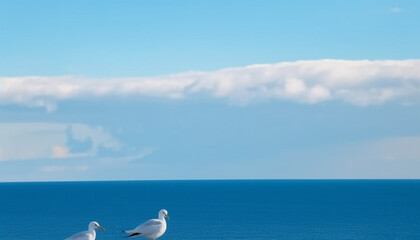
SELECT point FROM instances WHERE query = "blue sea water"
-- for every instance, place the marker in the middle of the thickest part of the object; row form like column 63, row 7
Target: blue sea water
column 236, row 209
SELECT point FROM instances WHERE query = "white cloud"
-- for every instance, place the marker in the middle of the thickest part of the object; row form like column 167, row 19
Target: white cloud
column 23, row 141
column 361, row 82
column 294, row 86
column 318, row 94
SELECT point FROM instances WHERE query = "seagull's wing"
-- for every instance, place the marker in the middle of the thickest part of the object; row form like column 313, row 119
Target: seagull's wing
column 150, row 227
column 81, row 236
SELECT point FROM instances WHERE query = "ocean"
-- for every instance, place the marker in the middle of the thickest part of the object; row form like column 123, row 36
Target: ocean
column 219, row 209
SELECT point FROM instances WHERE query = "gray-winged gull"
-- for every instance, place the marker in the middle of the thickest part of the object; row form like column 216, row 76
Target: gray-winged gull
column 152, row 229
column 90, row 234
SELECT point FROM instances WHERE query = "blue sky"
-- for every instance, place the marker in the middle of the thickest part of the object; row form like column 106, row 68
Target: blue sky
column 127, row 90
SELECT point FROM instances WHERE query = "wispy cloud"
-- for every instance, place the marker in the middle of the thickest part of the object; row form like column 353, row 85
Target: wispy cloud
column 130, row 158
column 24, row 141
column 360, row 82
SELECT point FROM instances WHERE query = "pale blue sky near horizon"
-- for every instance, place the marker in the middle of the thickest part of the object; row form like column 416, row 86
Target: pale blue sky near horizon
column 222, row 90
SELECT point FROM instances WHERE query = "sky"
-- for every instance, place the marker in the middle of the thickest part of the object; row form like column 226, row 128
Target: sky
column 162, row 90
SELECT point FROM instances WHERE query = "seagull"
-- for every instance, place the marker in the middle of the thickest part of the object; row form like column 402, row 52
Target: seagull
column 87, row 235
column 151, row 229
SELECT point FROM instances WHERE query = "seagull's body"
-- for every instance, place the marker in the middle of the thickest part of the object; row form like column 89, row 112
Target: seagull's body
column 90, row 234
column 151, row 229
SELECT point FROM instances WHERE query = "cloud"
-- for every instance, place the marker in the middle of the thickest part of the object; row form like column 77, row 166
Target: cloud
column 60, row 152
column 129, row 158
column 24, row 141
column 361, row 82
column 294, row 87
column 96, row 137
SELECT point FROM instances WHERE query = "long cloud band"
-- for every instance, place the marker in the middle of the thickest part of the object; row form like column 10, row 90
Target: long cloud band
column 360, row 82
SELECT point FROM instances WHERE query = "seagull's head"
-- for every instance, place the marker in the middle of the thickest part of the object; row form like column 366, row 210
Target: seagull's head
column 163, row 214
column 95, row 225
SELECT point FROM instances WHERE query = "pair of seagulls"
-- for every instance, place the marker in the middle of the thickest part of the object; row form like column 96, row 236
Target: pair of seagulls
column 151, row 229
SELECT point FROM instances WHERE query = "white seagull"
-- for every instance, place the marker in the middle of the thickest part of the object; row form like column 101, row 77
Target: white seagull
column 151, row 229
column 90, row 234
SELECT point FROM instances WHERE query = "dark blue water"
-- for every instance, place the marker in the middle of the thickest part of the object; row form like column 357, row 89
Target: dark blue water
column 283, row 209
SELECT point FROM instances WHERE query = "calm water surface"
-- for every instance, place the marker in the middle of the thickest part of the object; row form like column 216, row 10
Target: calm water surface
column 249, row 209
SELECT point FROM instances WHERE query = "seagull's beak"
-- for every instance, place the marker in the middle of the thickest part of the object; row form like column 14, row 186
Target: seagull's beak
column 101, row 228
column 167, row 217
